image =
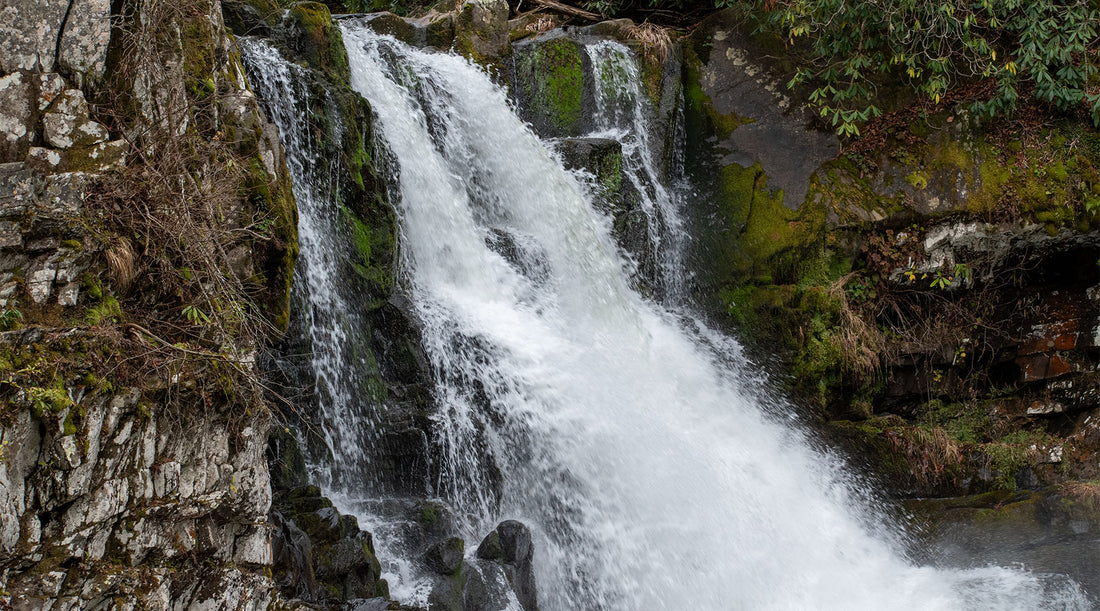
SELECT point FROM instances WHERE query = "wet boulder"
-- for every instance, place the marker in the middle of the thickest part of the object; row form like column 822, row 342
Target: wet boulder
column 321, row 554
column 550, row 84
column 445, row 557
column 314, row 36
column 510, row 547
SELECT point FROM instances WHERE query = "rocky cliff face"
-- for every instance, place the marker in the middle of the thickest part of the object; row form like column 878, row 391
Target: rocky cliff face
column 932, row 283
column 148, row 240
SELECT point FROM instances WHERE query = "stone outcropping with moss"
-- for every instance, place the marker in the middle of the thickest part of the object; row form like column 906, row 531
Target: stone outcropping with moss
column 932, row 284
column 133, row 431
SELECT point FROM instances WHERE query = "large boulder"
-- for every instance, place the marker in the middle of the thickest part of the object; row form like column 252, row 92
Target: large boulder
column 315, row 37
column 553, row 85
column 481, row 29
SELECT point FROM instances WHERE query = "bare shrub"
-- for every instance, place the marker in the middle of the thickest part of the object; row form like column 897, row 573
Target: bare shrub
column 176, row 217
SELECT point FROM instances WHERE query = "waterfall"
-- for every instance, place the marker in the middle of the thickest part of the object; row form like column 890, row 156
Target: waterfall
column 652, row 475
column 623, row 114
column 325, row 317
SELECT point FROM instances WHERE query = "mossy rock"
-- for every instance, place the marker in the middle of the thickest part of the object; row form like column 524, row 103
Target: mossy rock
column 440, row 32
column 392, row 25
column 481, row 30
column 315, row 37
column 758, row 237
column 551, row 77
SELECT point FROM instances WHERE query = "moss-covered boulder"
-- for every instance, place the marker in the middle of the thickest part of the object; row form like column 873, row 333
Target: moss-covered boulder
column 481, row 30
column 552, row 85
column 315, row 37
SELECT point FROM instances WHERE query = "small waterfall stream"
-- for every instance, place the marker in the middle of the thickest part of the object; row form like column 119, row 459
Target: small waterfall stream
column 651, row 475
column 322, row 312
column 622, row 114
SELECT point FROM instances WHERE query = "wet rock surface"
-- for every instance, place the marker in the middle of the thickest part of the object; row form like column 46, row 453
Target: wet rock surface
column 320, row 555
column 930, row 286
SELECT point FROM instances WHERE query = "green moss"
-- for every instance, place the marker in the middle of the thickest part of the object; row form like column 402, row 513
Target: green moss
column 1057, row 171
column 382, row 589
column 609, row 174
column 552, row 75
column 319, row 40
column 766, row 241
column 371, row 252
column 74, row 420
column 874, row 439
column 702, row 117
column 995, row 175
column 918, row 180
column 951, row 154
column 276, row 255
column 919, row 128
column 51, row 398
column 107, row 310
column 430, row 513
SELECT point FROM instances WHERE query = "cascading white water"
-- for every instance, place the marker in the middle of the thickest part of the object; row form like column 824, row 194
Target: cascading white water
column 652, row 478
column 328, row 318
column 622, row 114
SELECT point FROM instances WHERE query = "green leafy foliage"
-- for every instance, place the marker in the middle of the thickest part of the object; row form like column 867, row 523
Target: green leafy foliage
column 1046, row 48
column 10, row 318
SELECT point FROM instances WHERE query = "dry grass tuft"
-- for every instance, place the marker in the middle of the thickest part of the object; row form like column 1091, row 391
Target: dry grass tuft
column 928, row 451
column 655, row 39
column 1086, row 492
column 121, row 263
column 861, row 344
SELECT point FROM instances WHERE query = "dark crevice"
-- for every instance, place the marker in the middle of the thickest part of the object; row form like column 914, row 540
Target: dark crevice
column 60, row 35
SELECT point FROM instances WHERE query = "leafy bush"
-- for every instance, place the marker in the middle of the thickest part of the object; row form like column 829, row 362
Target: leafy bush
column 1044, row 48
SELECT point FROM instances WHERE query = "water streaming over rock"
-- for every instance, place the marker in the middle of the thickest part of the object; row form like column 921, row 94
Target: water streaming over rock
column 651, row 474
column 323, row 314
column 623, row 113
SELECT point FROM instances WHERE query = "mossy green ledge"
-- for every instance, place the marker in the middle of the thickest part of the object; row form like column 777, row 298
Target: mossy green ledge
column 890, row 274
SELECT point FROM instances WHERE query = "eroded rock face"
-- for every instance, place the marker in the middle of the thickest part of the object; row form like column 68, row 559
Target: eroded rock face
column 28, row 34
column 117, row 483
column 762, row 123
column 931, row 286
column 16, row 115
column 55, row 35
column 82, row 47
column 99, row 483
